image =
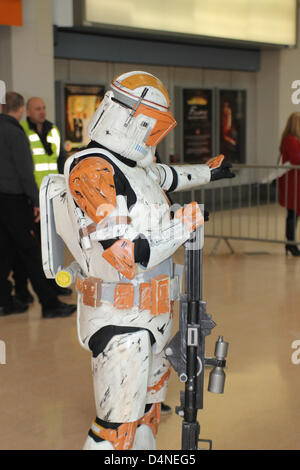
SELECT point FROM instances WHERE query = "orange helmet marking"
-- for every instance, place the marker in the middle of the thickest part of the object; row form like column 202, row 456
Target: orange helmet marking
column 142, row 79
column 165, row 122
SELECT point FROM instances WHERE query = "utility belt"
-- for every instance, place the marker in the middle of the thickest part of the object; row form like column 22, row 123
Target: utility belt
column 154, row 289
column 155, row 295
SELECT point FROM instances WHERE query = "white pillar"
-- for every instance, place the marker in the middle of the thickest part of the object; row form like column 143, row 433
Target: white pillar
column 289, row 72
column 268, row 112
column 63, row 12
column 279, row 69
column 26, row 55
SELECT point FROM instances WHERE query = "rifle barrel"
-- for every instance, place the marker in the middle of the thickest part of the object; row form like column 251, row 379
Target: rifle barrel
column 193, row 267
column 193, row 289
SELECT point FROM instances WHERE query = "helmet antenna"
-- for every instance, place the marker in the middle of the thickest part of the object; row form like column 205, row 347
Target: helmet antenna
column 134, row 108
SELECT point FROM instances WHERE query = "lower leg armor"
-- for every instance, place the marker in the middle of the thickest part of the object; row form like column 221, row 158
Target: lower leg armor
column 104, row 435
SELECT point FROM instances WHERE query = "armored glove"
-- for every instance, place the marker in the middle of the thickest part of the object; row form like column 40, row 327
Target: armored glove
column 219, row 168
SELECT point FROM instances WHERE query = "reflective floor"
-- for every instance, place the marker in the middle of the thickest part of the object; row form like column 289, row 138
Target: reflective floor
column 46, row 397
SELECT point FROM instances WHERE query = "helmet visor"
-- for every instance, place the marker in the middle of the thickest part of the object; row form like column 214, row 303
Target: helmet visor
column 163, row 125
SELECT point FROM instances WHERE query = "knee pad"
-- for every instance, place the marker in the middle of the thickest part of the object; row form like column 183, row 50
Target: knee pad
column 101, row 338
column 121, row 373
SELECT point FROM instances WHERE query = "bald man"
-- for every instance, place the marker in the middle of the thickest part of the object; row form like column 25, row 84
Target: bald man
column 45, row 141
column 48, row 157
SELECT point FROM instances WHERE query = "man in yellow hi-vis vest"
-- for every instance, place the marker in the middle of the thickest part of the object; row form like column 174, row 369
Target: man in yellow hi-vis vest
column 45, row 141
column 48, row 157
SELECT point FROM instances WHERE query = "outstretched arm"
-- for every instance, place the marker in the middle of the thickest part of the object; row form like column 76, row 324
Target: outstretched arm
column 184, row 177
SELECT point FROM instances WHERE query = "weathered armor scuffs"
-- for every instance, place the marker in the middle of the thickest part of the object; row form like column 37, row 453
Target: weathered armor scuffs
column 124, row 274
column 151, row 209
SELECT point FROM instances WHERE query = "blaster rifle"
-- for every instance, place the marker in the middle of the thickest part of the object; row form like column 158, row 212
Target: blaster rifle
column 186, row 351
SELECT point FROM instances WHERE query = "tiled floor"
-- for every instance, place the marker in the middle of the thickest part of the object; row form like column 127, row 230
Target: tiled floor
column 46, row 397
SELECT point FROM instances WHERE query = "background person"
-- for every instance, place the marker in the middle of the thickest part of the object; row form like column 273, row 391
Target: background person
column 48, row 157
column 19, row 200
column 45, row 140
column 289, row 184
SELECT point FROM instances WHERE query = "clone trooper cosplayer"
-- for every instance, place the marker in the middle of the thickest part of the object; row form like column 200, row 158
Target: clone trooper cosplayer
column 111, row 210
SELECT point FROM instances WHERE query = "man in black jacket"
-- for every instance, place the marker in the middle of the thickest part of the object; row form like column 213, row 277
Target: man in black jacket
column 44, row 147
column 19, row 201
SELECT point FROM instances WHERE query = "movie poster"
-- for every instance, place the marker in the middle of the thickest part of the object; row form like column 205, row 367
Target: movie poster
column 198, row 125
column 81, row 102
column 233, row 125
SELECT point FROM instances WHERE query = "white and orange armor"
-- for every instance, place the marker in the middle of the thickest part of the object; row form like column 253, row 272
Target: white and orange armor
column 111, row 210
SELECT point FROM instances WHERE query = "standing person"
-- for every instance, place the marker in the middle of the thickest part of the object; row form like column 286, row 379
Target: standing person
column 289, row 184
column 19, row 201
column 48, row 157
column 112, row 213
column 45, row 141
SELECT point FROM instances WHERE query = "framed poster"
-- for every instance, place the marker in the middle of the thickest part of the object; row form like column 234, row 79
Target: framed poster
column 81, row 102
column 232, row 129
column 197, row 125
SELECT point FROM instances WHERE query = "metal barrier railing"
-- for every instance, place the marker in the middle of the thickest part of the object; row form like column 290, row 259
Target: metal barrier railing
column 247, row 206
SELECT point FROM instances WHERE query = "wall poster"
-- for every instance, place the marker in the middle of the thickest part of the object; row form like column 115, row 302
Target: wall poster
column 81, row 101
column 232, row 137
column 197, row 125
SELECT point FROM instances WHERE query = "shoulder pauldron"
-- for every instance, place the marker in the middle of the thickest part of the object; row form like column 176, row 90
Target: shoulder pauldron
column 92, row 187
